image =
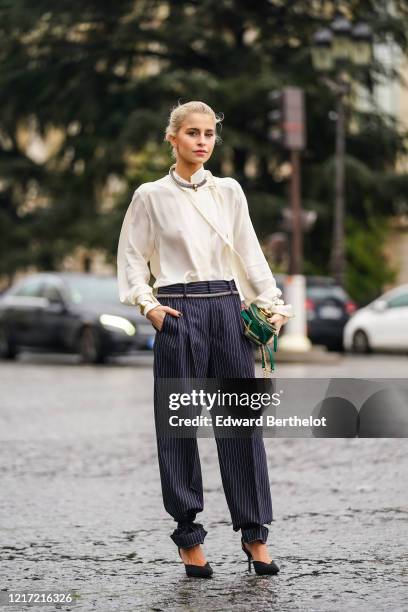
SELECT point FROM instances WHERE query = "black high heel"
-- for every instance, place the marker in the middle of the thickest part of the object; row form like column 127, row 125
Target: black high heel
column 197, row 571
column 261, row 568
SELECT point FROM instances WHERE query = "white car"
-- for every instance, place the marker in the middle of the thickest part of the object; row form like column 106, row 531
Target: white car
column 381, row 325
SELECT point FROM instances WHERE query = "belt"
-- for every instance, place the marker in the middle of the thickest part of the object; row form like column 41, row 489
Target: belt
column 197, row 295
column 199, row 289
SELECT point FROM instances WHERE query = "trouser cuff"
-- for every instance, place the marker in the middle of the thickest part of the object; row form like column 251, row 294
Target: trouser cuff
column 257, row 532
column 188, row 534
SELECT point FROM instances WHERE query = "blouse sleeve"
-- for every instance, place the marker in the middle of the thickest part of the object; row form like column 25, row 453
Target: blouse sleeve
column 135, row 248
column 247, row 245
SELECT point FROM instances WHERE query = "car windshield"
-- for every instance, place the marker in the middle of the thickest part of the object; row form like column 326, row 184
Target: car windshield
column 93, row 289
column 318, row 293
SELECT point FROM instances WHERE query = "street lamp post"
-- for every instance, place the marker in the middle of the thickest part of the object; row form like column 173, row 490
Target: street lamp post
column 333, row 49
column 337, row 263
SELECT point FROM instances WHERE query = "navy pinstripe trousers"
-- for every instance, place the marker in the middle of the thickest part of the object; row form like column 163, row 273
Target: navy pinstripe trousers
column 208, row 342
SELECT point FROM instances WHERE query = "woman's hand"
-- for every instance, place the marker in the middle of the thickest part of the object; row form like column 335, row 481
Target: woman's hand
column 156, row 315
column 278, row 320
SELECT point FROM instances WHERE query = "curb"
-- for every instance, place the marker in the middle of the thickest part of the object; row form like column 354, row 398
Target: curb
column 318, row 354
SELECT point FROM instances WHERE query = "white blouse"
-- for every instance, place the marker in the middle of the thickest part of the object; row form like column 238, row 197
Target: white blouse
column 163, row 228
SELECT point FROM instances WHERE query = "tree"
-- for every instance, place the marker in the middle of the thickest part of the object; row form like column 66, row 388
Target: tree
column 106, row 74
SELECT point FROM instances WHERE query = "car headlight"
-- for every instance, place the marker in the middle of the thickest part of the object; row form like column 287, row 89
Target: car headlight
column 116, row 323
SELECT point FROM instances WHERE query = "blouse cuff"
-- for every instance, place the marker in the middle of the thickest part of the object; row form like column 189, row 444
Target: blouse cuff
column 144, row 301
column 272, row 302
column 283, row 309
column 146, row 307
column 147, row 302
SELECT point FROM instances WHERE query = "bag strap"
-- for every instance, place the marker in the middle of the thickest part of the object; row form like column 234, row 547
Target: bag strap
column 267, row 348
column 202, row 213
column 237, row 263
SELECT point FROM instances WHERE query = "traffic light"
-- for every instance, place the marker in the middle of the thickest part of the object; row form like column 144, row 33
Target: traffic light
column 275, row 116
column 287, row 118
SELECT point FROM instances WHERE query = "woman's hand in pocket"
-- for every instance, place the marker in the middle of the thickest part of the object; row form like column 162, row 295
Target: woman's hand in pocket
column 156, row 315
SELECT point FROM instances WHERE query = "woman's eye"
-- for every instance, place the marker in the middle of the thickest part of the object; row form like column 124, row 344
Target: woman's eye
column 195, row 133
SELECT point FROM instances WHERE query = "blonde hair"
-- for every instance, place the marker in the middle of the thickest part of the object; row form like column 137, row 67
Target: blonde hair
column 180, row 112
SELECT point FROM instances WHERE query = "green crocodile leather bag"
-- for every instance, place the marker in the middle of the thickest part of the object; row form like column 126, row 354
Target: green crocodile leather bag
column 260, row 331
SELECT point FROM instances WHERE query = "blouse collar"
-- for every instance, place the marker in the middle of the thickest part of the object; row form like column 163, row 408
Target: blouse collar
column 198, row 176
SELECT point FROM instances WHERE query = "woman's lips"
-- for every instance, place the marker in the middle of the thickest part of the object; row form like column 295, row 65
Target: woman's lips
column 200, row 152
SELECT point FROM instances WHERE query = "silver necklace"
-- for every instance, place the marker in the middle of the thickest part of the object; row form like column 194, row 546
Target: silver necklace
column 182, row 184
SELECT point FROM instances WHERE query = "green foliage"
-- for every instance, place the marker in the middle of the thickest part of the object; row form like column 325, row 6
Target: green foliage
column 368, row 268
column 106, row 74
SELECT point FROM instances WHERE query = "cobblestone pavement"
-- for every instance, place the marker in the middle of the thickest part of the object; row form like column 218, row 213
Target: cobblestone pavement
column 81, row 503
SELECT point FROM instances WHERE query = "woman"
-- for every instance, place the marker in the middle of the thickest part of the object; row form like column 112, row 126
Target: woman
column 196, row 312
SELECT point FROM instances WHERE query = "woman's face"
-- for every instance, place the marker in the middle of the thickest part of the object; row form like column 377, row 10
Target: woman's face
column 195, row 140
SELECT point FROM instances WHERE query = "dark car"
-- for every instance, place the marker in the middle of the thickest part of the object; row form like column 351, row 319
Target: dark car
column 328, row 308
column 72, row 313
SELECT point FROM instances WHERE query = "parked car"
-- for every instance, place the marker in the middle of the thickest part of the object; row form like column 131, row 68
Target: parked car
column 72, row 313
column 328, row 308
column 381, row 325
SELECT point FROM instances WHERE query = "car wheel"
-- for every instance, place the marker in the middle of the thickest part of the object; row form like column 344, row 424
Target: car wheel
column 361, row 344
column 89, row 347
column 8, row 350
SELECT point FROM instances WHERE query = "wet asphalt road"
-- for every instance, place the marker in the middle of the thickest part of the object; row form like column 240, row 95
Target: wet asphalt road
column 81, row 502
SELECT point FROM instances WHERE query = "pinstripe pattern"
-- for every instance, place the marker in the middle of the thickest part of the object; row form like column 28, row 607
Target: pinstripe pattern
column 208, row 342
